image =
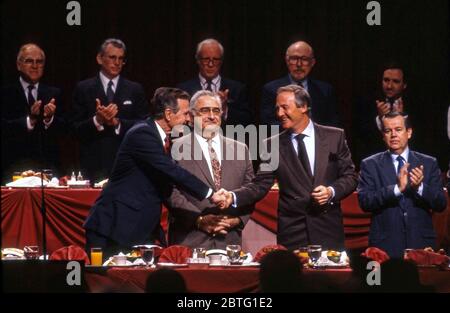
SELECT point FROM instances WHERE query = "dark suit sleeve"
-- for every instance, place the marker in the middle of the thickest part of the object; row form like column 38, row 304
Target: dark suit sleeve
column 347, row 178
column 81, row 115
column 267, row 109
column 370, row 197
column 141, row 109
column 146, row 149
column 433, row 196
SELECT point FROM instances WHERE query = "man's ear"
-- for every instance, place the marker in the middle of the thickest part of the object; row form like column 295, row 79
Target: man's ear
column 168, row 114
column 99, row 59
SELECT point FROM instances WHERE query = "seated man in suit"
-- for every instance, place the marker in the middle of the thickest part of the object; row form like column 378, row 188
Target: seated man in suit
column 300, row 61
column 128, row 210
column 401, row 188
column 314, row 173
column 104, row 108
column 219, row 162
column 235, row 107
column 30, row 109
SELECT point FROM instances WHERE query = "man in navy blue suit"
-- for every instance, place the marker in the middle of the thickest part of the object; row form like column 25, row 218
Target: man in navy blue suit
column 30, row 109
column 209, row 57
column 300, row 61
column 401, row 188
column 127, row 211
column 104, row 108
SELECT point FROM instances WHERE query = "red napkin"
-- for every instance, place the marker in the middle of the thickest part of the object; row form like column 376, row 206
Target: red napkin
column 265, row 250
column 175, row 254
column 422, row 257
column 71, row 252
column 375, row 254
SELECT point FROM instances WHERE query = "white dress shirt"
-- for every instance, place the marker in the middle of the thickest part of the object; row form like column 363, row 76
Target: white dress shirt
column 215, row 83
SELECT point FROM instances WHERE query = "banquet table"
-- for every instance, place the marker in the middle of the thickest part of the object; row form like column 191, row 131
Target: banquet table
column 67, row 209
column 236, row 279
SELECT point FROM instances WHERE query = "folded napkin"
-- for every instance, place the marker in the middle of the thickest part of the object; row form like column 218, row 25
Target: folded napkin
column 375, row 254
column 175, row 254
column 422, row 257
column 71, row 252
column 267, row 249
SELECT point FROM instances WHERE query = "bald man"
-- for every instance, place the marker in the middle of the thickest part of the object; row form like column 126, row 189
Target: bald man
column 28, row 106
column 300, row 61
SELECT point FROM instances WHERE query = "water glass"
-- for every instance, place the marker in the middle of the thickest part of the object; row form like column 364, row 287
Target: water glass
column 31, row 252
column 314, row 252
column 199, row 253
column 147, row 255
column 234, row 253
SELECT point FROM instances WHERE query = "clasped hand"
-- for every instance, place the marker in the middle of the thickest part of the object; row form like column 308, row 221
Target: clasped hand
column 106, row 115
column 222, row 199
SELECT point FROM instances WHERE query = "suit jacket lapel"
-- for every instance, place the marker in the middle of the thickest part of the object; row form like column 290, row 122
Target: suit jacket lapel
column 227, row 164
column 202, row 165
column 413, row 160
column 321, row 155
column 389, row 167
column 100, row 92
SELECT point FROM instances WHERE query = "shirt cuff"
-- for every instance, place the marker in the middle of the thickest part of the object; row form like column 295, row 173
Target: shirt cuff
column 420, row 190
column 117, row 130
column 209, row 194
column 397, row 191
column 47, row 124
column 97, row 124
column 378, row 121
column 29, row 126
column 234, row 204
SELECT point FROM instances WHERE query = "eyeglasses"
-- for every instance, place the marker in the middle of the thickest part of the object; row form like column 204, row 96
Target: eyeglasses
column 206, row 110
column 295, row 59
column 114, row 58
column 30, row 62
column 206, row 61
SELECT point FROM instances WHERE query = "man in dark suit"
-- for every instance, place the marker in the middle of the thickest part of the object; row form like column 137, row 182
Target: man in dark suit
column 401, row 188
column 209, row 57
column 31, row 118
column 369, row 110
column 127, row 211
column 197, row 223
column 104, row 108
column 300, row 61
column 314, row 169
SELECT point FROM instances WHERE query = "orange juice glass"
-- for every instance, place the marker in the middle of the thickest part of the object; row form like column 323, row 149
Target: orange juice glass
column 96, row 256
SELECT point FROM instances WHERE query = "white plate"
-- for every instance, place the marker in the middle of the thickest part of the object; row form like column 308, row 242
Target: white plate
column 163, row 264
column 216, row 251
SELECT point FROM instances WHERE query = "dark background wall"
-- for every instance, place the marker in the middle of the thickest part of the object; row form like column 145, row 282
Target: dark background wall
column 161, row 37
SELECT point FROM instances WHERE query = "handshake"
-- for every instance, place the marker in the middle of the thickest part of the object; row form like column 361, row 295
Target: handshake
column 222, row 198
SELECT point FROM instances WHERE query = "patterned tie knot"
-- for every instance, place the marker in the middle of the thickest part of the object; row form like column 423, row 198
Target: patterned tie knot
column 209, row 85
column 30, row 88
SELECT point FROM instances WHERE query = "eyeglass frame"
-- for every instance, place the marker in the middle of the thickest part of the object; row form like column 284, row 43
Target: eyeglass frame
column 31, row 62
column 302, row 59
column 206, row 61
column 210, row 109
column 114, row 58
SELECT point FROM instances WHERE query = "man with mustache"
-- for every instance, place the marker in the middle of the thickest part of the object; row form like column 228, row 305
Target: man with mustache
column 300, row 61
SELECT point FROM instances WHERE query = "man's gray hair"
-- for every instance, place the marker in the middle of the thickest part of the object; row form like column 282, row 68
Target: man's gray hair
column 113, row 41
column 25, row 47
column 207, row 42
column 302, row 97
column 203, row 93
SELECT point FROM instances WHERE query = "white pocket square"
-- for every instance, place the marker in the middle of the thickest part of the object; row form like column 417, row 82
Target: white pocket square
column 127, row 102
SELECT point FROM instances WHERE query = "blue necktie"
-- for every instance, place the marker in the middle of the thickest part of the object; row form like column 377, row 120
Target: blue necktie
column 110, row 92
column 401, row 162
